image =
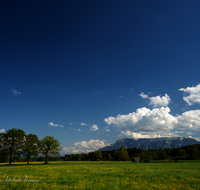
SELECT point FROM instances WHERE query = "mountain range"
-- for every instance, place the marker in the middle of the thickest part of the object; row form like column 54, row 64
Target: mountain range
column 151, row 143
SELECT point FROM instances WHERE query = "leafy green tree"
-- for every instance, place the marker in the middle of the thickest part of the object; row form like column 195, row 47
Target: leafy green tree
column 123, row 154
column 195, row 153
column 148, row 156
column 3, row 155
column 181, row 152
column 116, row 155
column 169, row 152
column 12, row 141
column 30, row 146
column 49, row 146
column 79, row 157
column 97, row 156
column 162, row 155
column 110, row 158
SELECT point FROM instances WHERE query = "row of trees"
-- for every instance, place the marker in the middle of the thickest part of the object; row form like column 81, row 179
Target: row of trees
column 191, row 152
column 16, row 142
column 118, row 155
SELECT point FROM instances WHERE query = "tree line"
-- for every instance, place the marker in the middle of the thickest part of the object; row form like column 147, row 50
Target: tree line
column 191, row 152
column 14, row 143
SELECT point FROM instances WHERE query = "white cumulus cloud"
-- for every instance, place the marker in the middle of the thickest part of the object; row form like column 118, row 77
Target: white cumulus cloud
column 94, row 128
column 73, row 150
column 189, row 120
column 158, row 122
column 157, row 101
column 194, row 94
column 92, row 144
column 144, row 120
column 51, row 124
column 2, row 131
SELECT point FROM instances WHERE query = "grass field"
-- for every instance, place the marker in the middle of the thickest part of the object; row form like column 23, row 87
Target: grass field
column 103, row 175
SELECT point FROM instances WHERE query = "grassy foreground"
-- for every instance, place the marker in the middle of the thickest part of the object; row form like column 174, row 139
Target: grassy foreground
column 103, row 175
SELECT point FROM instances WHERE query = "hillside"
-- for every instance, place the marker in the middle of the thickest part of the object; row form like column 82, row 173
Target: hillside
column 151, row 143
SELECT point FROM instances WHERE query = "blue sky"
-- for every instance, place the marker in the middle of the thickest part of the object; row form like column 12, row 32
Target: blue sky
column 90, row 72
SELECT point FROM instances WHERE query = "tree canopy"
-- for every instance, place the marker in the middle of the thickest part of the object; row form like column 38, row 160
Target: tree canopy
column 15, row 142
column 12, row 141
column 123, row 154
column 30, row 146
column 49, row 146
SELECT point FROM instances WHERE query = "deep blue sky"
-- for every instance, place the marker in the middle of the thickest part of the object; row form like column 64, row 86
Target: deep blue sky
column 79, row 62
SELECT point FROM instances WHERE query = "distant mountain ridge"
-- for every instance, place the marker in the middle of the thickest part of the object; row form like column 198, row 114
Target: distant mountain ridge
column 151, row 143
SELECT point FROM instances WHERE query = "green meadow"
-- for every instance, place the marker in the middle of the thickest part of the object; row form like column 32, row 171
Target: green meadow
column 102, row 175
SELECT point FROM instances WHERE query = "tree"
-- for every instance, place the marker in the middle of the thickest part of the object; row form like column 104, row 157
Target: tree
column 195, row 153
column 97, row 155
column 123, row 154
column 110, row 158
column 116, row 155
column 49, row 146
column 148, row 156
column 162, row 155
column 30, row 146
column 12, row 141
column 181, row 152
column 3, row 155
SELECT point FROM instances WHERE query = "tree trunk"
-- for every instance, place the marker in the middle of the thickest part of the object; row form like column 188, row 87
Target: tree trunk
column 46, row 161
column 28, row 158
column 10, row 158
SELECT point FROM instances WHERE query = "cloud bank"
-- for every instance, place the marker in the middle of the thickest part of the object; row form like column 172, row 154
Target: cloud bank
column 144, row 120
column 84, row 147
column 130, row 134
column 158, row 122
